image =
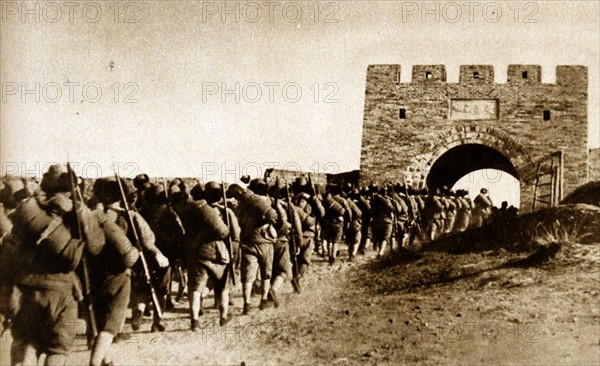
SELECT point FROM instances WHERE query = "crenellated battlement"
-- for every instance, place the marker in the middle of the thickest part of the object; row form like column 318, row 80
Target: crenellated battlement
column 517, row 74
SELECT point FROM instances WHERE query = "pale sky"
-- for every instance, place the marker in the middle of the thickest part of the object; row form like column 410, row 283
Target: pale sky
column 172, row 63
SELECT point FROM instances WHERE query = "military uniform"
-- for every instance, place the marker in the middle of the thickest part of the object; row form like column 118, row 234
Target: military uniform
column 337, row 215
column 42, row 271
column 168, row 229
column 450, row 209
column 482, row 208
column 463, row 213
column 353, row 232
column 364, row 204
column 382, row 221
column 401, row 213
column 434, row 214
column 310, row 211
column 257, row 238
column 111, row 282
column 283, row 255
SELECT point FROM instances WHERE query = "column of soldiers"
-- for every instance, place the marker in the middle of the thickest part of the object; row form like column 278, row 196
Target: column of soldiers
column 126, row 242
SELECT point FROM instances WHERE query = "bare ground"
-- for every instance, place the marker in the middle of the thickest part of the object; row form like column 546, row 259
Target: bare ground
column 487, row 308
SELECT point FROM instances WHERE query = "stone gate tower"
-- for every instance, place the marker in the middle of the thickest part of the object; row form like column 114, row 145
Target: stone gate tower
column 434, row 132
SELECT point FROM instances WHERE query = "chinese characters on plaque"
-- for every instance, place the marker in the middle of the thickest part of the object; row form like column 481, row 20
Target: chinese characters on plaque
column 473, row 109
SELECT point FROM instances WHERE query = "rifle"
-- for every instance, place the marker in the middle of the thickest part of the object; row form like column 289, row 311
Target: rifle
column 177, row 264
column 395, row 223
column 313, row 193
column 293, row 244
column 138, row 245
column 90, row 315
column 228, row 244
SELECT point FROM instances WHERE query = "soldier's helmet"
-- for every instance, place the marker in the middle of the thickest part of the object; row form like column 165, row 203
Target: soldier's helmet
column 278, row 189
column 212, row 192
column 141, row 182
column 234, row 191
column 51, row 179
column 258, row 186
column 106, row 190
column 197, row 192
column 483, row 190
column 155, row 194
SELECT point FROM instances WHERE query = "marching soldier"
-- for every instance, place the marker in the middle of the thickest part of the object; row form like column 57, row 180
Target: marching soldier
column 156, row 259
column 338, row 195
column 285, row 226
column 141, row 182
column 364, row 204
column 258, row 236
column 354, row 233
column 169, row 232
column 205, row 252
column 401, row 215
column 333, row 225
column 40, row 265
column 463, row 211
column 450, row 210
column 414, row 227
column 382, row 220
column 482, row 208
column 434, row 216
column 110, row 271
column 310, row 210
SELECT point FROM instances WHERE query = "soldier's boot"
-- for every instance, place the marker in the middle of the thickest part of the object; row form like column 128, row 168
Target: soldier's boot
column 156, row 321
column 225, row 317
column 266, row 288
column 296, row 284
column 99, row 354
column 157, row 326
column 195, row 325
column 194, row 299
column 137, row 316
column 169, row 306
column 265, row 304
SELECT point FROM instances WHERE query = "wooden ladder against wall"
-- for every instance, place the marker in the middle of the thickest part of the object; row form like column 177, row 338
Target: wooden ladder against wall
column 548, row 190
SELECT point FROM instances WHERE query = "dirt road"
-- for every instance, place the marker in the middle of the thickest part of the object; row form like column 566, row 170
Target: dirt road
column 436, row 309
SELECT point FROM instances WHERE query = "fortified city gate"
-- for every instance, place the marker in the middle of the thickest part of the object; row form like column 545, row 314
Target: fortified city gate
column 432, row 133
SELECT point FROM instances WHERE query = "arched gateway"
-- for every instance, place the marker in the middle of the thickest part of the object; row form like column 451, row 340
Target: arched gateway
column 433, row 133
column 461, row 150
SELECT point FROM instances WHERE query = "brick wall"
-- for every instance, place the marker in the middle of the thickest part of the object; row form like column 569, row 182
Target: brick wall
column 392, row 146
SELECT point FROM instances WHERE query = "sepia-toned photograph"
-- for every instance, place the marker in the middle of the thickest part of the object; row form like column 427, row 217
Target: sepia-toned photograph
column 302, row 182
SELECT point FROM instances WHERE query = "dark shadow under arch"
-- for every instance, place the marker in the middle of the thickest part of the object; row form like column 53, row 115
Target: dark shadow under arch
column 464, row 159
